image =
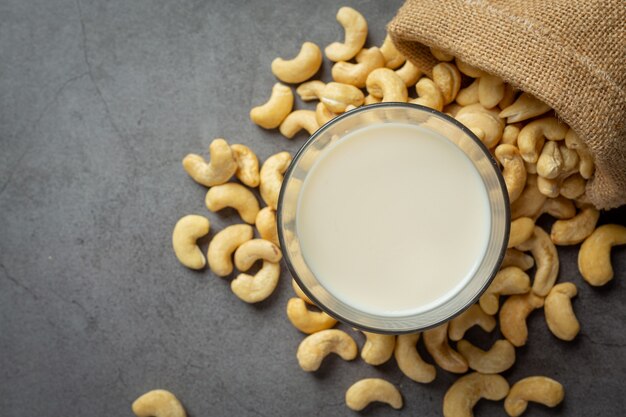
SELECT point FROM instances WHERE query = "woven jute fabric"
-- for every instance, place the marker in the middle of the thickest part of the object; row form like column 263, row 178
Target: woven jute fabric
column 569, row 53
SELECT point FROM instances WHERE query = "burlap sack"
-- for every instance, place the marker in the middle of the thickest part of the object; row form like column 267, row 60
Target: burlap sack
column 569, row 53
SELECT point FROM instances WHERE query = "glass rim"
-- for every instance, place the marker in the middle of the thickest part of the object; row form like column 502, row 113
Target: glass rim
column 372, row 107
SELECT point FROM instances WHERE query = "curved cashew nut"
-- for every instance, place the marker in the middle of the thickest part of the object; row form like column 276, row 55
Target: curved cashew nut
column 573, row 141
column 476, row 117
column 428, row 94
column 272, row 177
column 247, row 165
column 356, row 74
column 560, row 316
column 525, row 107
column 558, row 207
column 463, row 395
column 409, row 73
column 300, row 293
column 355, row 27
column 508, row 281
column 314, row 348
column 490, row 90
column 513, row 257
column 378, row 348
column 336, row 96
column 300, row 68
column 594, row 257
column 253, row 289
column 158, row 403
column 441, row 55
column 368, row 390
column 218, row 171
column 310, row 90
column 298, row 120
column 323, row 115
column 469, row 318
column 468, row 69
column 409, row 360
column 448, row 79
column 573, row 187
column 575, row 230
column 513, row 316
column 436, row 342
column 386, row 84
column 539, row 389
column 393, row 58
column 513, row 170
column 273, row 112
column 498, row 359
column 531, row 200
column 251, row 251
column 546, row 260
column 522, row 229
column 305, row 320
column 509, row 136
column 266, row 225
column 186, row 232
column 224, row 244
column 550, row 162
column 532, row 136
column 236, row 196
column 468, row 95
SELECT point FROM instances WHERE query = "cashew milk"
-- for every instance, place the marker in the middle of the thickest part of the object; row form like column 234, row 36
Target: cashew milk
column 393, row 219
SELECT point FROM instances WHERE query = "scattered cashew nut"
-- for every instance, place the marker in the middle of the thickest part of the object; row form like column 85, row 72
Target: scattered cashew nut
column 186, row 232
column 393, row 58
column 546, row 260
column 513, row 170
column 575, row 230
column 508, row 281
column 466, row 391
column 522, row 229
column 409, row 360
column 298, row 120
column 368, row 390
column 594, row 257
column 253, row 289
column 573, row 186
column 247, row 165
column 356, row 74
column 525, row 107
column 224, row 244
column 513, row 257
column 409, row 73
column 477, row 118
column 428, row 94
column 218, row 171
column 378, row 348
column 266, row 225
column 448, row 79
column 305, row 320
column 236, row 196
column 539, row 389
column 490, row 90
column 314, row 348
column 550, row 162
column 560, row 316
column 300, row 68
column 271, row 114
column 310, row 90
column 271, row 174
column 468, row 95
column 337, row 96
column 158, row 403
column 532, row 136
column 498, row 359
column 386, row 84
column 530, row 202
column 323, row 115
column 251, row 251
column 573, row 141
column 355, row 27
column 471, row 317
column 436, row 342
column 513, row 317
column 300, row 293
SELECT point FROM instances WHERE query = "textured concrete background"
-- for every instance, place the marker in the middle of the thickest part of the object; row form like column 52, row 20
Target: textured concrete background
column 99, row 103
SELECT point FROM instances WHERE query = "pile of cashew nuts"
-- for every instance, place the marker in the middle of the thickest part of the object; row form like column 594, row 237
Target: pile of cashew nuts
column 545, row 166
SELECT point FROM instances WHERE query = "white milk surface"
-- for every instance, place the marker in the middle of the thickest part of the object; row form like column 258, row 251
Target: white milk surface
column 393, row 219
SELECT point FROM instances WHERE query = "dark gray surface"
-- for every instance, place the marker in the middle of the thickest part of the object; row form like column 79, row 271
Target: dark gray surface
column 99, row 103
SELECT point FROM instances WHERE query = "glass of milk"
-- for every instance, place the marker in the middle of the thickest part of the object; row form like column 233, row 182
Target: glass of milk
column 393, row 218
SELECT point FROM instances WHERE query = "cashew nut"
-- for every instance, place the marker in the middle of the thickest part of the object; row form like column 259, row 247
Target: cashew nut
column 186, row 232
column 441, row 55
column 532, row 136
column 302, row 67
column 549, row 187
column 573, row 141
column 310, row 90
column 560, row 315
column 558, row 207
column 522, row 229
column 546, row 260
column 236, row 196
column 509, row 136
column 393, row 58
column 323, row 115
column 468, row 95
column 253, row 250
column 409, row 360
column 510, row 280
column 530, row 201
column 368, row 390
column 266, row 225
column 314, row 348
column 476, row 117
column 471, row 317
column 305, row 320
column 428, row 94
column 468, row 69
column 466, row 391
column 525, row 107
column 336, row 96
column 513, row 257
column 298, row 120
column 300, row 293
column 550, row 161
column 386, row 84
column 513, row 170
column 378, row 348
column 273, row 112
column 594, row 257
column 448, row 79
column 271, row 174
column 571, row 160
column 409, row 73
column 513, row 316
column 218, row 171
column 253, row 289
column 355, row 27
column 498, row 359
column 356, row 74
column 224, row 244
column 436, row 342
column 158, row 403
column 247, row 165
column 575, row 230
column 490, row 90
column 573, row 186
column 539, row 389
